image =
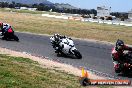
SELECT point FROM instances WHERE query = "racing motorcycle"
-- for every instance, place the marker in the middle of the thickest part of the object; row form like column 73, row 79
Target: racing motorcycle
column 9, row 35
column 126, row 67
column 67, row 48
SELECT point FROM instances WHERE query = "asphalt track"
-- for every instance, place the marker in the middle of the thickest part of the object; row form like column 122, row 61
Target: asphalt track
column 96, row 55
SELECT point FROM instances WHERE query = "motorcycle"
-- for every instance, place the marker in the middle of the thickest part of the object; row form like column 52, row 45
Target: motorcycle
column 67, row 48
column 126, row 66
column 10, row 35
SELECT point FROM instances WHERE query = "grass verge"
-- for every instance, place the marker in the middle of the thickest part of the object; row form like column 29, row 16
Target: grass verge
column 19, row 72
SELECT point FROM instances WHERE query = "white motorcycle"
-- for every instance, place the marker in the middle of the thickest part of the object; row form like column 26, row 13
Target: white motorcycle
column 68, row 48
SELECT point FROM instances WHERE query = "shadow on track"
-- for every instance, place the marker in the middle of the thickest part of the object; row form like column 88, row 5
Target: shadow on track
column 9, row 40
column 69, row 57
column 125, row 75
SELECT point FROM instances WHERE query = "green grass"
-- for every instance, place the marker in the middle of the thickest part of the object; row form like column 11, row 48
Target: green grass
column 37, row 24
column 18, row 72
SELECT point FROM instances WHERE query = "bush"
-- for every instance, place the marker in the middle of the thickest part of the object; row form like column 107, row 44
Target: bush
column 109, row 18
column 122, row 19
column 102, row 18
column 94, row 17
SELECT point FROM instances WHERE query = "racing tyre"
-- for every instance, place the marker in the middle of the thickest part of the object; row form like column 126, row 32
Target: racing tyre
column 77, row 54
column 16, row 38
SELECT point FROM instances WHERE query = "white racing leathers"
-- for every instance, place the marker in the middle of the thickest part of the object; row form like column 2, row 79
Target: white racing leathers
column 68, row 48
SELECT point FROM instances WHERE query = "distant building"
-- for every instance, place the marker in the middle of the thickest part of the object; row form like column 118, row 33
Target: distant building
column 17, row 7
column 26, row 8
column 130, row 14
column 23, row 8
column 32, row 9
column 103, row 11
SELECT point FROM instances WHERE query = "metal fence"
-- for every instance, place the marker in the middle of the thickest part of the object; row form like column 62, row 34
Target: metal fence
column 114, row 22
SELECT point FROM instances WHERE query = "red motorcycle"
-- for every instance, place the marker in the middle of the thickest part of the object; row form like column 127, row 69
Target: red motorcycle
column 126, row 66
column 10, row 35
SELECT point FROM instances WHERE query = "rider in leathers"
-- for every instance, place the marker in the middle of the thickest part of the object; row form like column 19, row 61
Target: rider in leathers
column 118, row 56
column 57, row 38
column 5, row 29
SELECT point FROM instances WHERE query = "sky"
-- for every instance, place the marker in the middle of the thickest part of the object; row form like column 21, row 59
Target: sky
column 116, row 5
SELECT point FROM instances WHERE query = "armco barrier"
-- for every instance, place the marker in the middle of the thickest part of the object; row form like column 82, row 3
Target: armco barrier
column 54, row 16
column 91, row 20
column 63, row 17
column 108, row 22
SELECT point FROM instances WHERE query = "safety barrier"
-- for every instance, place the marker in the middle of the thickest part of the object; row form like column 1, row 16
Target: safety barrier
column 54, row 16
column 63, row 17
column 124, row 23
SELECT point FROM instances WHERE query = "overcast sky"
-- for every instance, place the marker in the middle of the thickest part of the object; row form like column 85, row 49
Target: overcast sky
column 116, row 5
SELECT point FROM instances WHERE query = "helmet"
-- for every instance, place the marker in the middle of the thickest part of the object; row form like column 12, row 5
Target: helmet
column 57, row 37
column 119, row 44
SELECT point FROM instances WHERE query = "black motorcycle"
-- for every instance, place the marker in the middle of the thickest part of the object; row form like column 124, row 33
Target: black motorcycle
column 10, row 35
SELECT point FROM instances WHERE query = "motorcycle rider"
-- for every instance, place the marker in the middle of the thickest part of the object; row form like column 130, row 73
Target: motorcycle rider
column 118, row 55
column 57, row 38
column 6, row 29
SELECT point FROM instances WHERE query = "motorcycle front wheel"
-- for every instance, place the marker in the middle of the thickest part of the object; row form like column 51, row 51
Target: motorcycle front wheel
column 77, row 54
column 15, row 38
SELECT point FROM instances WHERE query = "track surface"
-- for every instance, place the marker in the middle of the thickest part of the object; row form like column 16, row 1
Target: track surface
column 96, row 56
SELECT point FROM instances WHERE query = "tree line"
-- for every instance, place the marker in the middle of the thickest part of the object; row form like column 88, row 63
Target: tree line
column 44, row 7
column 122, row 16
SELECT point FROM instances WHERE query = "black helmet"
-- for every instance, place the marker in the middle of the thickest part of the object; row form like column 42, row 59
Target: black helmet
column 119, row 44
column 57, row 37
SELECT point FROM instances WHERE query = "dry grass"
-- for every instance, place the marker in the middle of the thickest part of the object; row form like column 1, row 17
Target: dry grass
column 35, row 23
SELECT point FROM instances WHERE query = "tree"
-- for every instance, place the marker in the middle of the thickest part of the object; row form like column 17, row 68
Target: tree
column 4, row 4
column 109, row 18
column 93, row 11
column 102, row 18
